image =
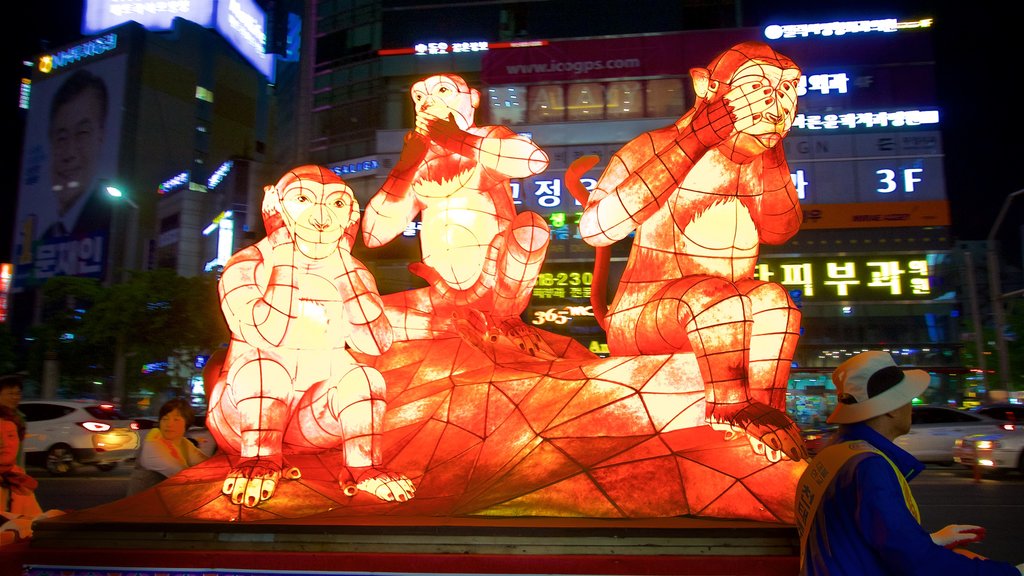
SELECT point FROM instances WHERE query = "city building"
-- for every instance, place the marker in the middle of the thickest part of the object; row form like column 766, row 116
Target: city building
column 168, row 114
column 138, row 139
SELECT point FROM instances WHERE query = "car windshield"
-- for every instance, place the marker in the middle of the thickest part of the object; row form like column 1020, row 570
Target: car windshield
column 104, row 412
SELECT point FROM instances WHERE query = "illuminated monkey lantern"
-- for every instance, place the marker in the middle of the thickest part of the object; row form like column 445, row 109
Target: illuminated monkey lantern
column 480, row 257
column 701, row 195
column 295, row 302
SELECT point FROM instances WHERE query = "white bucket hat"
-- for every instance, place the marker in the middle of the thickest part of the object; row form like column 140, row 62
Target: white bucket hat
column 871, row 384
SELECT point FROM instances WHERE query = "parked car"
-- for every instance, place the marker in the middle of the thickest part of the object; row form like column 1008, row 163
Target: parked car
column 1002, row 411
column 197, row 433
column 1000, row 451
column 934, row 429
column 61, row 433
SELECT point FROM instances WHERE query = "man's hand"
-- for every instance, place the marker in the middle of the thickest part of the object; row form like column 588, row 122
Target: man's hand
column 958, row 535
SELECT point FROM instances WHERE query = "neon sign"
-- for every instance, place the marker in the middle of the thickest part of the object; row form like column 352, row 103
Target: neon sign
column 26, row 93
column 560, row 302
column 355, row 167
column 5, row 287
column 571, row 284
column 224, row 224
column 219, row 174
column 436, row 48
column 152, row 367
column 560, row 316
column 896, row 119
column 445, row 48
column 823, row 83
column 175, row 183
column 872, row 277
column 88, row 49
column 775, row 31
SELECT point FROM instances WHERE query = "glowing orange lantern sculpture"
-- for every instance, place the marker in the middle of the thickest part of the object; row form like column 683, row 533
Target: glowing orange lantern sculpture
column 701, row 194
column 486, row 415
column 294, row 301
column 480, row 257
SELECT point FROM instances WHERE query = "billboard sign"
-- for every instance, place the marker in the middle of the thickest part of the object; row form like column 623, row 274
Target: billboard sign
column 864, row 277
column 153, row 14
column 72, row 141
column 241, row 22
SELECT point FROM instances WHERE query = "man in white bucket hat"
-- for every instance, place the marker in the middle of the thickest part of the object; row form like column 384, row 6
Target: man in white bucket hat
column 854, row 509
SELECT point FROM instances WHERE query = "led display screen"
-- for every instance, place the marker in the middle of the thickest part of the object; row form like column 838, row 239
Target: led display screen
column 241, row 22
column 153, row 14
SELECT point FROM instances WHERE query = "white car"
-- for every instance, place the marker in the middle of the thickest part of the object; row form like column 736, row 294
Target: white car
column 999, row 451
column 60, row 433
column 934, row 429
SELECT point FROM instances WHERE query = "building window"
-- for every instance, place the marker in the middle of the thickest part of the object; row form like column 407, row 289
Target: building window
column 665, row 97
column 624, row 100
column 507, row 105
column 586, row 101
column 204, row 94
column 546, row 104
column 171, row 222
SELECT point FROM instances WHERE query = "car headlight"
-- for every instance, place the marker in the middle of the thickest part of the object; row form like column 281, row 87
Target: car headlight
column 986, row 444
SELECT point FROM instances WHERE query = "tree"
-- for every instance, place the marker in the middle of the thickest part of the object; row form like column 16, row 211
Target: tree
column 58, row 346
column 151, row 317
column 97, row 334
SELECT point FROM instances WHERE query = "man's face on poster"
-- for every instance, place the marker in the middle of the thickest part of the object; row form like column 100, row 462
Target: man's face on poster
column 76, row 140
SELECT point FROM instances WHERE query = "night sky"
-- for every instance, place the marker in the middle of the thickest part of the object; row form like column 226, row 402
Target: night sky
column 976, row 80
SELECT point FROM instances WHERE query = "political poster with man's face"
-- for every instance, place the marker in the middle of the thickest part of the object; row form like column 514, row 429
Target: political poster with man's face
column 72, row 143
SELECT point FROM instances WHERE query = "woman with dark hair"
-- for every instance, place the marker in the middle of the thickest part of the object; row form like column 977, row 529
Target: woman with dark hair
column 166, row 451
column 18, row 505
column 11, row 386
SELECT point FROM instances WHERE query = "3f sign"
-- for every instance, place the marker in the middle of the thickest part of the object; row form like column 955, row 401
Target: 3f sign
column 888, row 180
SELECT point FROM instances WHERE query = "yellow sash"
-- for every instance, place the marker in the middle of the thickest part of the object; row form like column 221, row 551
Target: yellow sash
column 819, row 474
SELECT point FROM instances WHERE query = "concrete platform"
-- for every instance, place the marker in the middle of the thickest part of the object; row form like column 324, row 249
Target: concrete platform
column 80, row 544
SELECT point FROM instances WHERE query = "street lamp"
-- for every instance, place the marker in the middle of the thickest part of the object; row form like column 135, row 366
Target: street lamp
column 125, row 245
column 997, row 296
column 126, row 249
column 116, row 193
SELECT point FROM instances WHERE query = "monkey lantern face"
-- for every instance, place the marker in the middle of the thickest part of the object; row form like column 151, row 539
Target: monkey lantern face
column 318, row 213
column 763, row 98
column 443, row 96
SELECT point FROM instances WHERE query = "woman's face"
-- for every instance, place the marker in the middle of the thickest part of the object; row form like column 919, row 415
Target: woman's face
column 8, row 442
column 172, row 425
